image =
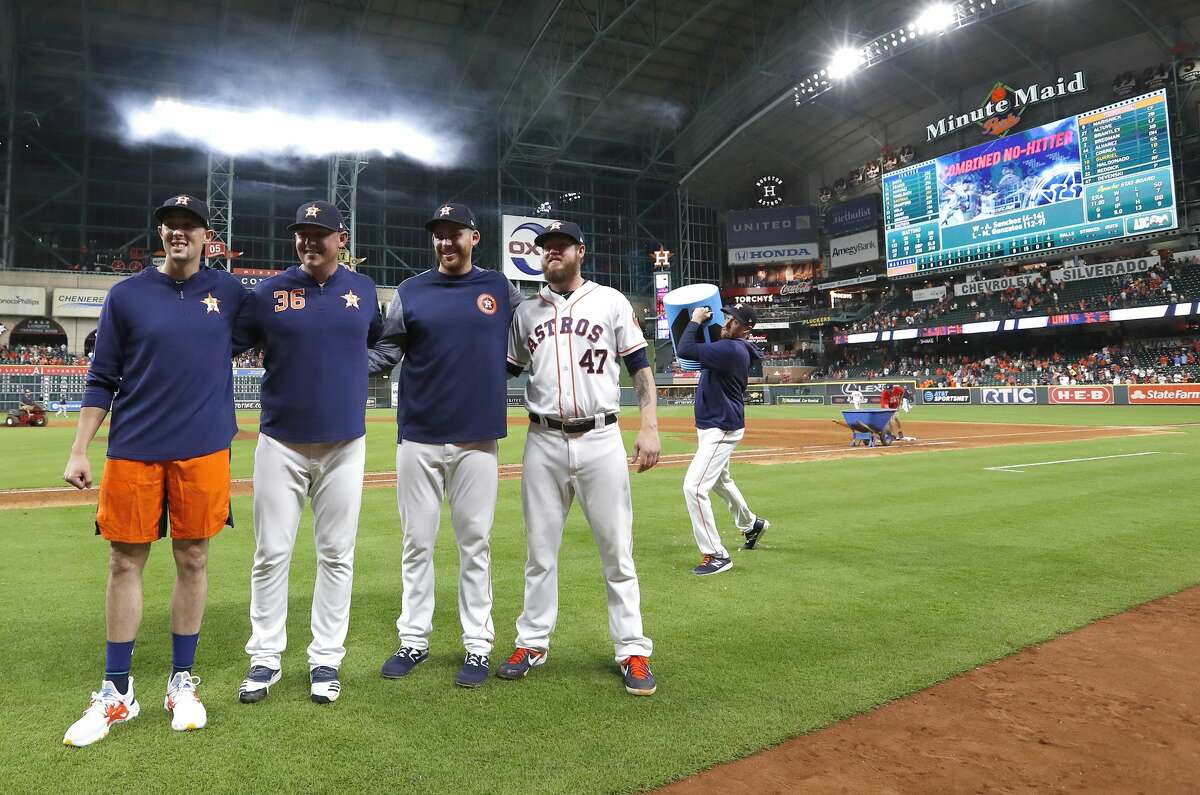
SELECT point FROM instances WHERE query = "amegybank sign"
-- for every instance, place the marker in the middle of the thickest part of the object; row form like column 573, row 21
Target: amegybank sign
column 854, row 249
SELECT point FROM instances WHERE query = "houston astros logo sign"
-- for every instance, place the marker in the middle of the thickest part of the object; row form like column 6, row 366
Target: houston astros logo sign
column 486, row 303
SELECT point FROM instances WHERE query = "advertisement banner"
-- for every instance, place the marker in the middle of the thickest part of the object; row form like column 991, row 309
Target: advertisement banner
column 930, row 294
column 77, row 302
column 853, row 216
column 803, row 400
column 854, row 249
column 522, row 259
column 1164, row 394
column 1080, row 395
column 771, row 226
column 847, row 282
column 1123, row 267
column 662, row 286
column 956, row 396
column 750, row 295
column 752, row 255
column 1025, row 395
column 22, row 301
column 992, row 285
column 249, row 277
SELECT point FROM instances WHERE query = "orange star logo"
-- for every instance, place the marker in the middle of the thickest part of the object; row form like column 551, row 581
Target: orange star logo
column 444, row 211
column 212, row 304
column 555, row 225
column 312, row 212
column 182, row 200
column 351, row 299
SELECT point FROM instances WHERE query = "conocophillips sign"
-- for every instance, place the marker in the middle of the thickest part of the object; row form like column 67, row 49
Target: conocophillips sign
column 521, row 257
column 22, row 301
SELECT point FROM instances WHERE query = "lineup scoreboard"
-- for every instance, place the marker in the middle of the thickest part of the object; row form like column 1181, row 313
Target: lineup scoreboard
column 1095, row 176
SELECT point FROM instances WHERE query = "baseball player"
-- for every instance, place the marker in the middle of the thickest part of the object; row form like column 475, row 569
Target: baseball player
column 450, row 327
column 720, row 425
column 162, row 365
column 314, row 322
column 571, row 338
column 856, row 398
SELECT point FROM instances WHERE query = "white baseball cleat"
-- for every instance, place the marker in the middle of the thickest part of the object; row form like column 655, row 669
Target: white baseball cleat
column 106, row 709
column 325, row 685
column 187, row 712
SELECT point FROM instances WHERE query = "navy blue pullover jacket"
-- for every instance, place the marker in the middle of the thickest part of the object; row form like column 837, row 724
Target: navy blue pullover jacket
column 314, row 339
column 162, row 364
column 452, row 334
column 725, row 363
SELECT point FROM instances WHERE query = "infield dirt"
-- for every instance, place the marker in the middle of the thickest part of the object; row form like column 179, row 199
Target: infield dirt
column 766, row 442
column 1112, row 707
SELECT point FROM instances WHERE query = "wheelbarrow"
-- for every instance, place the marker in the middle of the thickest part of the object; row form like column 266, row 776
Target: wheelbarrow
column 868, row 426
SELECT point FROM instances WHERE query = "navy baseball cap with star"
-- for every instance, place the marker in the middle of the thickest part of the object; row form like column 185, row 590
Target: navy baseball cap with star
column 186, row 203
column 454, row 213
column 318, row 213
column 568, row 228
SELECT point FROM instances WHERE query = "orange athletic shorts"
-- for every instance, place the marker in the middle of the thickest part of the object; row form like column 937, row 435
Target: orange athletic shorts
column 136, row 497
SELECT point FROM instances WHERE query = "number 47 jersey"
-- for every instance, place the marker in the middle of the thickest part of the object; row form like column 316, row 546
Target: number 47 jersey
column 572, row 348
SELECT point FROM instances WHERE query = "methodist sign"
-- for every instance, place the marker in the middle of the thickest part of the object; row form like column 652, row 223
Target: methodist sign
column 772, row 234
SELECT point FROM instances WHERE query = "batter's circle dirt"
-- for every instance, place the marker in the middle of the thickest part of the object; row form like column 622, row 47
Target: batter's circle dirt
column 1113, row 707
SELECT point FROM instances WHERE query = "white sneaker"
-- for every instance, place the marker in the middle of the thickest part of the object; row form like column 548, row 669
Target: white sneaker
column 325, row 685
column 187, row 712
column 106, row 709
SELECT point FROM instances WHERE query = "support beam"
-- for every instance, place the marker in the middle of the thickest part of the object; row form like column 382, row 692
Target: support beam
column 1165, row 38
column 343, row 189
column 220, row 202
column 8, row 117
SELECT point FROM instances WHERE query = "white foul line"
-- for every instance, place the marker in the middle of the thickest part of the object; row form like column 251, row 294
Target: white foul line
column 1019, row 467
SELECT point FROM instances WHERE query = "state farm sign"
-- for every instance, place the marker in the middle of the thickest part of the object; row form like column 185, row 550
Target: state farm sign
column 1085, row 395
column 1186, row 394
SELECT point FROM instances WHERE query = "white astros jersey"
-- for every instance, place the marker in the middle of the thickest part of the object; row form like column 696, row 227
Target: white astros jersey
column 572, row 348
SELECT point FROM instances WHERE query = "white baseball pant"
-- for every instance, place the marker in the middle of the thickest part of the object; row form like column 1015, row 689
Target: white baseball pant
column 285, row 474
column 468, row 474
column 709, row 472
column 907, row 408
column 591, row 466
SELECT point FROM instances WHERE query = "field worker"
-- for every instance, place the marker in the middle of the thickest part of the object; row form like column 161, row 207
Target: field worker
column 573, row 338
column 450, row 327
column 162, row 365
column 313, row 322
column 720, row 425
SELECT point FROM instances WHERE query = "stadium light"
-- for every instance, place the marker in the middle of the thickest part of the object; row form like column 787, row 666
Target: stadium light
column 935, row 19
column 844, row 62
column 267, row 131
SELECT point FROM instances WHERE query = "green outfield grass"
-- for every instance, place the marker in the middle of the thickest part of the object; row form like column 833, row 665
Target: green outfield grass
column 880, row 576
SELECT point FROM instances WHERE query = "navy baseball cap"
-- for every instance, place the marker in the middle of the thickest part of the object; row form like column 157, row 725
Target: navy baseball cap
column 744, row 315
column 186, row 203
column 454, row 213
column 318, row 213
column 568, row 228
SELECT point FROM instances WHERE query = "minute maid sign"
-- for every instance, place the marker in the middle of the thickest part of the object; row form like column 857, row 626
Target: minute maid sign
column 1004, row 106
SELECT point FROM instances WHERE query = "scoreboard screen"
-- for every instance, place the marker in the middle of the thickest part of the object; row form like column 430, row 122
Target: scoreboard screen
column 1096, row 176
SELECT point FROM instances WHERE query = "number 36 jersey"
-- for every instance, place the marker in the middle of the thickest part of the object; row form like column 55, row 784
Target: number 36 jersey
column 572, row 348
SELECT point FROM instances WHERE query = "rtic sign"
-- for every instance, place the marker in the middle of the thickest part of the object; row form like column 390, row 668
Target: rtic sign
column 1005, row 395
column 1081, row 395
column 1187, row 394
column 1004, row 106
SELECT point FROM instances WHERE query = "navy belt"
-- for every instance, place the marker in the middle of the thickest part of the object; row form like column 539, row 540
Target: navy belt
column 572, row 426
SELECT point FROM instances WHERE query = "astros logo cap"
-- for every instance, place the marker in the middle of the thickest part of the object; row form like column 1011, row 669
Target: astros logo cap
column 185, row 202
column 318, row 213
column 568, row 228
column 454, row 213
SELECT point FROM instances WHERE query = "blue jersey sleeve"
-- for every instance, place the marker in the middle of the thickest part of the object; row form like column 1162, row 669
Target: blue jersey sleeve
column 246, row 332
column 719, row 355
column 108, row 358
column 388, row 348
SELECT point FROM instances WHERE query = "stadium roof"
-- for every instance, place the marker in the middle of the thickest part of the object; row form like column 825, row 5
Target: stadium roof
column 645, row 87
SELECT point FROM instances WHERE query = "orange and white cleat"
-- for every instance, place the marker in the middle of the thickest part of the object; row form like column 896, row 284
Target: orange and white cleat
column 187, row 712
column 106, row 709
